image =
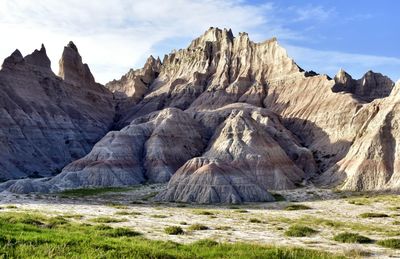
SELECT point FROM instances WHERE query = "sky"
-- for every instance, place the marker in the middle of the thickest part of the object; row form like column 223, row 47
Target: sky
column 114, row 36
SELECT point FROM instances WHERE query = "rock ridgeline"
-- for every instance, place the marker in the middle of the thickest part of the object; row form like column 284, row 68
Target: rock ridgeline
column 47, row 122
column 226, row 120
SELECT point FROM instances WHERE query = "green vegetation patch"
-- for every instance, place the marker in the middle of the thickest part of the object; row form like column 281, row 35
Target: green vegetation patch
column 174, row 230
column 373, row 215
column 21, row 240
column 92, row 191
column 108, row 220
column 198, row 227
column 254, row 220
column 300, row 231
column 390, row 243
column 348, row 237
column 297, row 207
column 203, row 212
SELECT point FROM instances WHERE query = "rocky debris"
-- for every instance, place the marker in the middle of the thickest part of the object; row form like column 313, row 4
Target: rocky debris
column 370, row 87
column 46, row 122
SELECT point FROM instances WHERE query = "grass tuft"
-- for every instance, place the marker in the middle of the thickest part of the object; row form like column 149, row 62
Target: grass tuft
column 174, row 230
column 390, row 243
column 254, row 220
column 297, row 207
column 300, row 231
column 347, row 237
column 373, row 215
column 107, row 220
column 198, row 227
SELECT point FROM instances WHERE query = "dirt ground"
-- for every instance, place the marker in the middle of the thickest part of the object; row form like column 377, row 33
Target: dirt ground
column 330, row 213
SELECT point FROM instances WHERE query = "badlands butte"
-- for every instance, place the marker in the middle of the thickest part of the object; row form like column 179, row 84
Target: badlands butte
column 225, row 120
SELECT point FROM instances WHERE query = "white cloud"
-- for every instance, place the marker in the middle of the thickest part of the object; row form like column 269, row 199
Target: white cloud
column 113, row 36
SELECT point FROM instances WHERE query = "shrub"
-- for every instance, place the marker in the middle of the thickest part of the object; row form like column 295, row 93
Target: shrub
column 206, row 243
column 347, row 237
column 390, row 243
column 174, row 230
column 300, row 231
column 198, row 227
column 297, row 207
column 242, row 211
column 373, row 215
column 159, row 216
column 254, row 220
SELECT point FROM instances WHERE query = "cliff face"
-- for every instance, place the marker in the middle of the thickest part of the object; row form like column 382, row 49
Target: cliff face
column 47, row 122
column 224, row 121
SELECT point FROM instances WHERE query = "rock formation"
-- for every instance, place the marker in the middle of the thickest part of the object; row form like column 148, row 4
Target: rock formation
column 370, row 87
column 47, row 122
column 224, row 120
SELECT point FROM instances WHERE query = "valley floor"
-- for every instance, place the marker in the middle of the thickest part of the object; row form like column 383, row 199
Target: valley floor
column 376, row 216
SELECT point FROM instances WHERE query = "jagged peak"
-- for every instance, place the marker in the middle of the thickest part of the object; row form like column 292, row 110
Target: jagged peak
column 39, row 58
column 15, row 58
column 72, row 69
column 72, row 45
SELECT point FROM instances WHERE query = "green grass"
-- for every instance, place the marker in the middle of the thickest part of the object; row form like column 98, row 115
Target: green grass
column 390, row 243
column 373, row 215
column 127, row 213
column 92, row 191
column 107, row 220
column 348, row 237
column 297, row 207
column 198, row 227
column 241, row 211
column 174, row 230
column 159, row 216
column 23, row 240
column 300, row 231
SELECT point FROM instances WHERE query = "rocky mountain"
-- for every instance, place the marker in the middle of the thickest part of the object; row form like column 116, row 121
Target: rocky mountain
column 370, row 87
column 226, row 120
column 48, row 121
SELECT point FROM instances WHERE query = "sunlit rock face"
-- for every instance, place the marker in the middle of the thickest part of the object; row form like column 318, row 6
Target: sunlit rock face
column 225, row 120
column 47, row 122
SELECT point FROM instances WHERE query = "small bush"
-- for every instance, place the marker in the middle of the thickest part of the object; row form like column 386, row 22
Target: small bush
column 300, row 231
column 198, row 227
column 347, row 237
column 254, row 220
column 297, row 207
column 126, row 213
column 11, row 207
column 373, row 215
column 390, row 243
column 183, row 223
column 174, row 230
column 102, row 227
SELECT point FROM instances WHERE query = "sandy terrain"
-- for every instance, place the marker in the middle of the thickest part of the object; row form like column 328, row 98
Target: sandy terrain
column 331, row 213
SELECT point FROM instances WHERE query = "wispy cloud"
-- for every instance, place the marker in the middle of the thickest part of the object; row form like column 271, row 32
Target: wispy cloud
column 114, row 35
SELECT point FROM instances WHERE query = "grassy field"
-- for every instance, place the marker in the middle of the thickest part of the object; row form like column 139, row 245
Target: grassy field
column 30, row 235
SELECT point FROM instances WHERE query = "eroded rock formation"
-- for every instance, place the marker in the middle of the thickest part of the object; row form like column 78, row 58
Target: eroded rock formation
column 47, row 122
column 226, row 120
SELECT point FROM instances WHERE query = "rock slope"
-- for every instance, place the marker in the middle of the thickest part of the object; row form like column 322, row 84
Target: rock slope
column 47, row 122
column 225, row 120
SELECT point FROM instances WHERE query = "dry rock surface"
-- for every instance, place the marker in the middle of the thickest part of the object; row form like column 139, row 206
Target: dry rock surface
column 225, row 120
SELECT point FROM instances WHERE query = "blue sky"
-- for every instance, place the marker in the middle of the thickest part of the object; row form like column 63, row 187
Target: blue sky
column 114, row 36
